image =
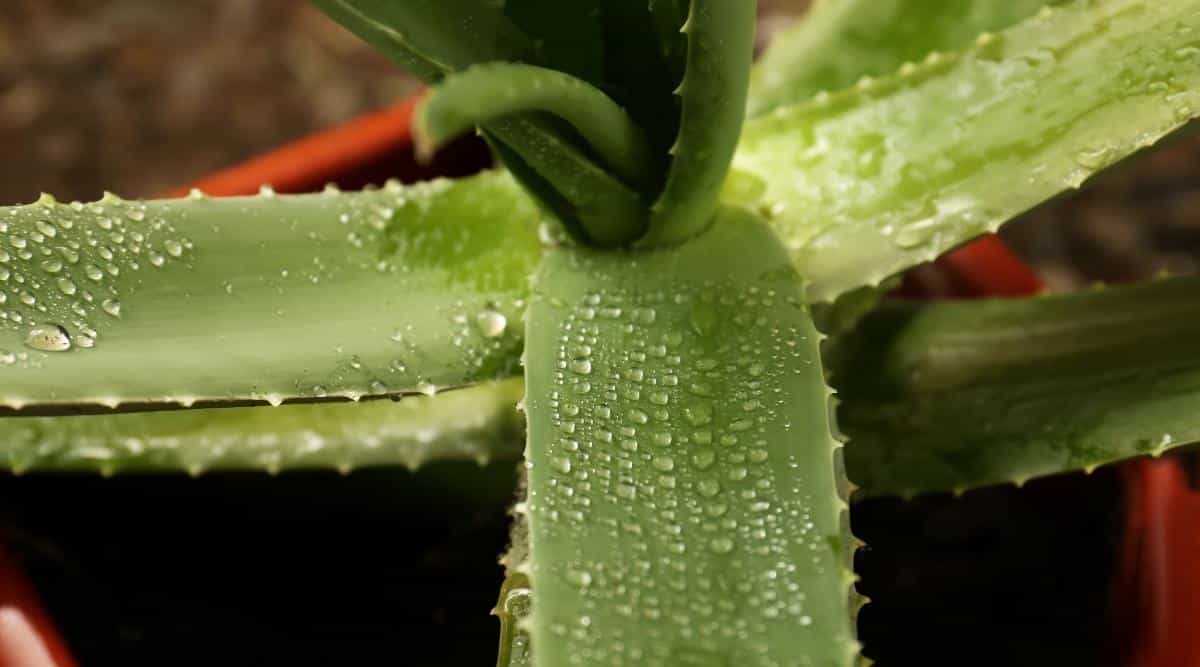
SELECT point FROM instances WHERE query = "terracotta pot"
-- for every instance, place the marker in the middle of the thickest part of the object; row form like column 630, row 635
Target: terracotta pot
column 1155, row 579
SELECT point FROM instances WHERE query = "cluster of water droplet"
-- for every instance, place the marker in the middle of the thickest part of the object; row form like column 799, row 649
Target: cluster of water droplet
column 64, row 269
column 401, row 231
column 928, row 158
column 673, row 446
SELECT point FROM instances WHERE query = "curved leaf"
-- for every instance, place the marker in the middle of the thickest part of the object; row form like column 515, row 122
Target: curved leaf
column 482, row 92
column 720, row 38
column 477, row 424
column 840, row 41
column 951, row 396
column 682, row 502
column 865, row 183
column 264, row 298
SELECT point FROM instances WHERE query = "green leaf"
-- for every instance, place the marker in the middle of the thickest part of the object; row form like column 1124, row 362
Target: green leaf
column 867, row 182
column 683, row 504
column 720, row 50
column 594, row 206
column 840, row 41
column 432, row 38
column 263, row 298
column 951, row 396
column 483, row 92
column 476, row 424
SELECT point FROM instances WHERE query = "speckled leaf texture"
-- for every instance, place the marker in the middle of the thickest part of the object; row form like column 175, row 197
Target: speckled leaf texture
column 117, row 304
column 682, row 500
column 951, row 396
column 872, row 180
column 840, row 41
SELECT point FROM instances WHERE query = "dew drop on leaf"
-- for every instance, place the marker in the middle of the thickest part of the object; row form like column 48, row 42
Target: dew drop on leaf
column 491, row 323
column 48, row 338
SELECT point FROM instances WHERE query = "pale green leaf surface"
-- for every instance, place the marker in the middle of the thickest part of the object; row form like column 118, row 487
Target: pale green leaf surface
column 479, row 423
column 839, row 41
column 867, row 182
column 264, row 298
column 951, row 396
column 683, row 504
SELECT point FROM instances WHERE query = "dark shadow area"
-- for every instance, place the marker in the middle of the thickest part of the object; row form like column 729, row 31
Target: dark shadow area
column 380, row 567
column 1000, row 576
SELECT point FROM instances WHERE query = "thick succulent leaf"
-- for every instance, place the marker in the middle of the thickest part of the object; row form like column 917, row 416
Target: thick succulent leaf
column 142, row 304
column 593, row 205
column 683, row 504
column 950, row 396
column 482, row 92
column 869, row 181
column 720, row 50
column 840, row 41
column 432, row 38
column 479, row 423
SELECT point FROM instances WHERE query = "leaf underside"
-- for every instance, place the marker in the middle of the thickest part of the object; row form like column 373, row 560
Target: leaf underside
column 682, row 499
column 864, row 183
column 952, row 396
column 263, row 299
column 479, row 423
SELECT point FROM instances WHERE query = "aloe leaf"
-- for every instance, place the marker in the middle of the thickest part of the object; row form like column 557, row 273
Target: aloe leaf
column 476, row 424
column 195, row 301
column 951, row 396
column 839, row 41
column 720, row 36
column 867, row 182
column 596, row 207
column 432, row 38
column 491, row 90
column 683, row 504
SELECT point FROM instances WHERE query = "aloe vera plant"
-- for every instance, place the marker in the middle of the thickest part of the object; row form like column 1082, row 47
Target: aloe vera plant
column 649, row 267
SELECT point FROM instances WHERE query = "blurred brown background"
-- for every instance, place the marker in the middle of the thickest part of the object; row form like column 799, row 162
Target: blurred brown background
column 137, row 96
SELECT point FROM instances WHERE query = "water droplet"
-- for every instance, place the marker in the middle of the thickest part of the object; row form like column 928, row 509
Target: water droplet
column 561, row 464
column 492, row 323
column 48, row 338
column 93, row 273
column 112, row 307
column 708, row 488
column 698, row 415
column 52, row 266
column 581, row 366
column 136, row 215
column 174, row 248
column 519, row 602
column 581, row 578
column 66, row 286
column 720, row 545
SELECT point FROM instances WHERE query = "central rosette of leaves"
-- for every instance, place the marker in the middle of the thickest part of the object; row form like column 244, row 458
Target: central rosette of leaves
column 619, row 116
